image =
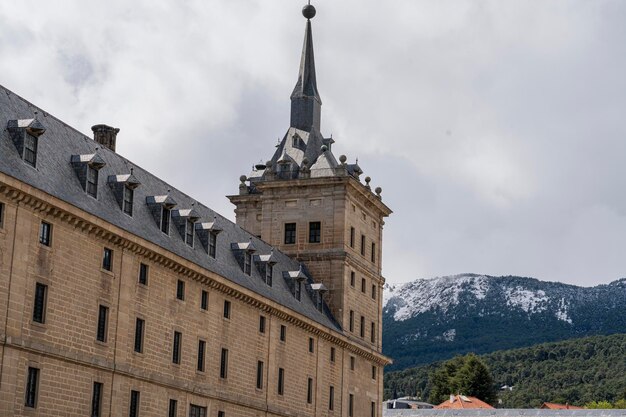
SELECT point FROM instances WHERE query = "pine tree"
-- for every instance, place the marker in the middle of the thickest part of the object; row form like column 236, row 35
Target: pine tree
column 467, row 375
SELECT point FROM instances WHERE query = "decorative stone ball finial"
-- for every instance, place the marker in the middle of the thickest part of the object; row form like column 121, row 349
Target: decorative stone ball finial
column 305, row 161
column 324, row 148
column 378, row 190
column 367, row 182
column 308, row 11
column 343, row 159
column 243, row 179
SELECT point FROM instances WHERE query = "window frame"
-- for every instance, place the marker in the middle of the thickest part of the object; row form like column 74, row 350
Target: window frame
column 189, row 232
column 31, row 393
column 204, row 300
column 212, row 244
column 227, row 309
column 166, row 217
column 45, row 233
column 177, row 343
column 96, row 399
column 362, row 245
column 172, row 410
column 311, row 345
column 352, row 236
column 362, row 327
column 134, row 403
column 197, row 410
column 315, row 232
column 259, row 374
column 91, row 181
column 283, row 333
column 281, row 381
column 180, row 290
column 102, row 328
column 224, row 364
column 247, row 263
column 351, row 322
column 107, row 259
column 40, row 301
column 269, row 274
column 30, row 152
column 140, row 328
column 290, row 236
column 331, row 398
column 144, row 270
column 2, row 208
column 363, row 285
column 309, row 391
column 128, row 196
column 201, row 362
column 262, row 322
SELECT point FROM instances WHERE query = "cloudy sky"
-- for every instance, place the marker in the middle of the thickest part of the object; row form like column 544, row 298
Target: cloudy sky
column 497, row 129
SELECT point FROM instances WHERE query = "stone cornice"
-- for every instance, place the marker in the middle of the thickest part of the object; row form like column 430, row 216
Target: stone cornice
column 41, row 202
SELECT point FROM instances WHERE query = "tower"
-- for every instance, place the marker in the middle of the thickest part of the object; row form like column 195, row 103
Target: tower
column 315, row 208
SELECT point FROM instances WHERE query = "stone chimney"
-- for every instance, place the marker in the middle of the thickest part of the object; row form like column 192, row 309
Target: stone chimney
column 105, row 135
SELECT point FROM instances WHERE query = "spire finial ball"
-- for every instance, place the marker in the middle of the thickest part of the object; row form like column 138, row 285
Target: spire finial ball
column 308, row 11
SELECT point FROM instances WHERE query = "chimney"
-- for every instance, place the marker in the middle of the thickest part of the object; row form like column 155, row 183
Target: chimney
column 105, row 135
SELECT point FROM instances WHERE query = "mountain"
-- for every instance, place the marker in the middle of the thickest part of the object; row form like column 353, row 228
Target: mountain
column 575, row 371
column 429, row 320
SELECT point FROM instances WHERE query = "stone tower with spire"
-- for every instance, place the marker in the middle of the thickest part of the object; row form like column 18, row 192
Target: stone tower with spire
column 316, row 209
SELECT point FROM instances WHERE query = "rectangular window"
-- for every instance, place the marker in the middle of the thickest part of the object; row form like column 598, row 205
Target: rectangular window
column 45, row 233
column 332, row 354
column 309, row 391
column 269, row 274
column 311, row 345
column 247, row 263
column 373, row 335
column 351, row 320
column 226, row 309
column 204, row 300
column 107, row 259
column 133, row 410
column 374, row 372
column 373, row 291
column 362, row 329
column 127, row 203
column 103, row 319
column 290, row 233
column 92, row 181
column 363, row 245
column 221, row 414
column 373, row 409
column 173, row 408
column 281, row 381
column 283, row 332
column 259, row 375
column 261, row 324
column 212, row 244
column 178, row 336
column 352, row 232
column 331, row 398
column 139, row 329
column 189, row 230
column 180, row 290
column 1, row 215
column 373, row 255
column 201, row 350
column 39, row 304
column 352, row 363
column 352, row 279
column 165, row 220
column 96, row 400
column 315, row 232
column 363, row 285
column 31, row 387
column 30, row 150
column 224, row 364
column 143, row 274
column 351, row 406
column 197, row 411
column 297, row 289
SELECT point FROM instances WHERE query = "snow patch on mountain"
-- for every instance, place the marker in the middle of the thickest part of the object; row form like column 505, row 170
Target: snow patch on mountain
column 438, row 293
column 562, row 312
column 527, row 300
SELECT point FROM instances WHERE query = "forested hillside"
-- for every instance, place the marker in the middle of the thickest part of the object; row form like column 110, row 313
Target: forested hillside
column 575, row 371
column 435, row 319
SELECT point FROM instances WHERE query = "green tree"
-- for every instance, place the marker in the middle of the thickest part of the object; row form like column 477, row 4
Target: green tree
column 599, row 405
column 466, row 375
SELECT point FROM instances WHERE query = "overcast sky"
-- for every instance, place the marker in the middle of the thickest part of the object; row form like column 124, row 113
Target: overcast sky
column 497, row 129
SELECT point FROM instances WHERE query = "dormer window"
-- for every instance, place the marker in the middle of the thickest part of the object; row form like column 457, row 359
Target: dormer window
column 212, row 244
column 295, row 279
column 297, row 292
column 166, row 214
column 269, row 274
column 265, row 264
column 127, row 202
column 86, row 168
column 30, row 150
column 243, row 253
column 123, row 187
column 207, row 234
column 247, row 263
column 319, row 289
column 189, row 228
column 185, row 221
column 161, row 208
column 25, row 134
column 92, row 181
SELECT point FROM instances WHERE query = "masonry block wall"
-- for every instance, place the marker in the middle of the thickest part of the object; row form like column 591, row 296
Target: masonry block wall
column 65, row 349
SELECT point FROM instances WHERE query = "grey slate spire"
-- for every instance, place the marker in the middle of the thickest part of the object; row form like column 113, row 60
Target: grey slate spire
column 305, row 100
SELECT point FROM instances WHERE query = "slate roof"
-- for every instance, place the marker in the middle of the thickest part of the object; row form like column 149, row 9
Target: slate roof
column 55, row 175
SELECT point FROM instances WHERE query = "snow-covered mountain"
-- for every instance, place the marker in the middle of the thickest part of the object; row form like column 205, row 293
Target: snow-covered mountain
column 432, row 319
